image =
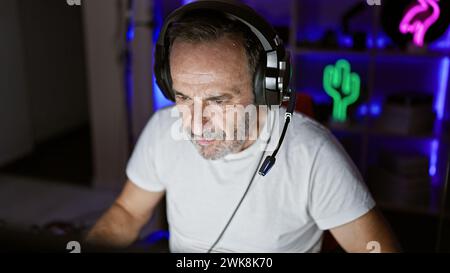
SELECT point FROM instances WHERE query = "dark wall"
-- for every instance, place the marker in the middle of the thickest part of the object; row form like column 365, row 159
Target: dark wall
column 54, row 63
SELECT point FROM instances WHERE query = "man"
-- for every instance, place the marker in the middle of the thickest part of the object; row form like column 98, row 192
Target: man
column 313, row 187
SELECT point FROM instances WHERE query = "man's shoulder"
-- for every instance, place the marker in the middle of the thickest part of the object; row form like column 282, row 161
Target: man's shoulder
column 160, row 123
column 165, row 117
column 166, row 113
column 307, row 131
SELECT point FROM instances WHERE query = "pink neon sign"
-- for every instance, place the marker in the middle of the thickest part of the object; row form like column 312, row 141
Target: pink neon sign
column 418, row 19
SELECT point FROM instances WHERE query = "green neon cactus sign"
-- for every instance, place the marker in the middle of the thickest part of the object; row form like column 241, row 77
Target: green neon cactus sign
column 343, row 86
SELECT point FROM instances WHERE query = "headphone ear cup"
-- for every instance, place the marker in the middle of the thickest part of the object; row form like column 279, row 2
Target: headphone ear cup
column 259, row 85
column 287, row 76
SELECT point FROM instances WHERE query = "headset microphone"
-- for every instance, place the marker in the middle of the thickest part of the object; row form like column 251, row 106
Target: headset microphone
column 270, row 160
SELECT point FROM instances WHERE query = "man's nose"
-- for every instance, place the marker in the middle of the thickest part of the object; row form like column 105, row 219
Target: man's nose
column 198, row 126
column 198, row 120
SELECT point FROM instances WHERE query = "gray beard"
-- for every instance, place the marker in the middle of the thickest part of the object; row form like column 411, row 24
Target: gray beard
column 223, row 147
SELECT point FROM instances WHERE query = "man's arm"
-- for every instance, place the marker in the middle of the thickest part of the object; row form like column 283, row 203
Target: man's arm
column 120, row 225
column 366, row 233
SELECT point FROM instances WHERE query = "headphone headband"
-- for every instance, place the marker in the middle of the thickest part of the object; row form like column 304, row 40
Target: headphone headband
column 263, row 31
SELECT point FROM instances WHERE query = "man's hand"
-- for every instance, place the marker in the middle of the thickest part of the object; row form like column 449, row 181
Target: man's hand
column 366, row 234
column 120, row 225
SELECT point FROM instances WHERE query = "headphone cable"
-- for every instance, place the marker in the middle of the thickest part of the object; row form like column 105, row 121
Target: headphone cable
column 267, row 164
column 238, row 205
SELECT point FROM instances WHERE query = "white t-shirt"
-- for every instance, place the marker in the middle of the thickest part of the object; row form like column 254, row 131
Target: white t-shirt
column 313, row 186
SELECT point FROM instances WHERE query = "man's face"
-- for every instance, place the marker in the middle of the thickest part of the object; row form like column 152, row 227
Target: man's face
column 210, row 78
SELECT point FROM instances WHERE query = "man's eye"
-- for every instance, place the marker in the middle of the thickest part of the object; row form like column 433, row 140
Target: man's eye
column 181, row 98
column 219, row 101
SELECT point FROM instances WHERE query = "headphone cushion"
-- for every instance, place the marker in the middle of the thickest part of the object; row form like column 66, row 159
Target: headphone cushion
column 259, row 86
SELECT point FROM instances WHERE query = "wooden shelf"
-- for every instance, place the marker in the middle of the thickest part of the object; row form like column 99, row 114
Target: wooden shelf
column 332, row 52
column 303, row 51
column 426, row 54
column 346, row 129
column 359, row 129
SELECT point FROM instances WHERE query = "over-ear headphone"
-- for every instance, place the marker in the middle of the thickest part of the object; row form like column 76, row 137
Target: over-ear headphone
column 273, row 71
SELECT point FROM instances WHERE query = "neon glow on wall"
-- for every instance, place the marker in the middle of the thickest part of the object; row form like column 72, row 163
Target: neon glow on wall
column 343, row 86
column 418, row 19
column 439, row 108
